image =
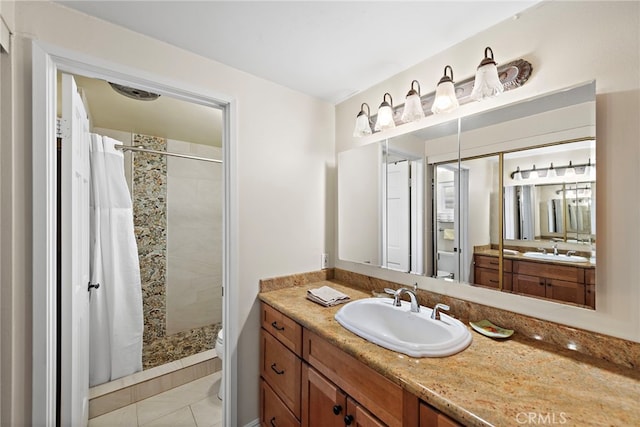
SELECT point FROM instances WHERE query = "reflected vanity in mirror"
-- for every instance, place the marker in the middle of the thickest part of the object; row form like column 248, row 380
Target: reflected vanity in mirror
column 503, row 199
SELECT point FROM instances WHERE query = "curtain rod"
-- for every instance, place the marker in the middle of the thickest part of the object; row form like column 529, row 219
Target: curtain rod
column 164, row 153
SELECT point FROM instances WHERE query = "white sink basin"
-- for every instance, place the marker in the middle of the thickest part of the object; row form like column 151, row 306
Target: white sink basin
column 552, row 257
column 396, row 328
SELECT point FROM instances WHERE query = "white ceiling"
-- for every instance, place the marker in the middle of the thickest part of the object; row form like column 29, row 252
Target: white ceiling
column 327, row 49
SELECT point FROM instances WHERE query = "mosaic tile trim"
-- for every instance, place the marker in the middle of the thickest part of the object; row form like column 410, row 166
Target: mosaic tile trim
column 150, row 221
column 180, row 345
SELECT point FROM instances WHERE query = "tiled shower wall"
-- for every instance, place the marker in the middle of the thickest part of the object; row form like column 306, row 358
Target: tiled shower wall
column 150, row 210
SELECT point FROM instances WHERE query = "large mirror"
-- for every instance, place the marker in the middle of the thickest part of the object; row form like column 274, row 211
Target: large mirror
column 480, row 210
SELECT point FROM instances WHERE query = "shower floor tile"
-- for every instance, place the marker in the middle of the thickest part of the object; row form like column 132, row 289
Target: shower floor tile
column 195, row 404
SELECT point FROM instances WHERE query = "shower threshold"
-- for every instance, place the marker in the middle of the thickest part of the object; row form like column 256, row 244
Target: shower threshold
column 124, row 391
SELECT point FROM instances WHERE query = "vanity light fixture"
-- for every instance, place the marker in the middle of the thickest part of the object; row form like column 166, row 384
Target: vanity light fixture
column 487, row 83
column 413, row 105
column 363, row 127
column 385, row 114
column 445, row 100
column 553, row 171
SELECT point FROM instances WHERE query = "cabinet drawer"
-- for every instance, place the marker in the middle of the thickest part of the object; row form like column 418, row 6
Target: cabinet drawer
column 282, row 327
column 487, row 277
column 274, row 411
column 281, row 369
column 548, row 270
column 483, row 261
column 382, row 397
column 491, row 262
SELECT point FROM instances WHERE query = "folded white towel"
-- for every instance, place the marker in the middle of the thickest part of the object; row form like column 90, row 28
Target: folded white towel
column 327, row 296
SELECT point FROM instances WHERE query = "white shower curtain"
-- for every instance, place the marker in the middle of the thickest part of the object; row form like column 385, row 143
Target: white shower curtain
column 116, row 306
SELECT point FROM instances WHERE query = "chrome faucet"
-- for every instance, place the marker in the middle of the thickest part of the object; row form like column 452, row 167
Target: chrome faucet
column 555, row 249
column 415, row 307
column 435, row 314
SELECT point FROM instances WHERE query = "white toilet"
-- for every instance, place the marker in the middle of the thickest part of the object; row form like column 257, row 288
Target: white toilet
column 220, row 352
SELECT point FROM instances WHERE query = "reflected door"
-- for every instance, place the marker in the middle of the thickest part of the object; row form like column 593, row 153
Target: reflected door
column 398, row 215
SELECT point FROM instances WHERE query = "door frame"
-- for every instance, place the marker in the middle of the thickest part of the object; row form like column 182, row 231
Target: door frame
column 47, row 60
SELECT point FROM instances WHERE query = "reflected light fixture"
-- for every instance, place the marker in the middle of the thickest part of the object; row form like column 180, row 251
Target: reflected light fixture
column 445, row 100
column 554, row 171
column 516, row 176
column 363, row 127
column 385, row 114
column 413, row 105
column 487, row 83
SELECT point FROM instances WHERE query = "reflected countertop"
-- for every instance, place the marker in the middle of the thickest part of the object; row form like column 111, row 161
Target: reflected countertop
column 492, row 382
column 520, row 257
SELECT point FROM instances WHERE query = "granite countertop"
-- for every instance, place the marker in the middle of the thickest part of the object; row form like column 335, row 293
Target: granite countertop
column 517, row 381
column 520, row 257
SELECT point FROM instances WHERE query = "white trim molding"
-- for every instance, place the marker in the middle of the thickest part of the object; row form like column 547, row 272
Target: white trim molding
column 47, row 61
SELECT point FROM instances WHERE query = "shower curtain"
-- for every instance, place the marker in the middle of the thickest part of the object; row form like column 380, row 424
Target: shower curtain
column 116, row 323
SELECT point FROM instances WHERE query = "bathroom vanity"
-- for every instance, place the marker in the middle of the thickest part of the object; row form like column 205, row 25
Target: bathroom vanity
column 308, row 381
column 315, row 372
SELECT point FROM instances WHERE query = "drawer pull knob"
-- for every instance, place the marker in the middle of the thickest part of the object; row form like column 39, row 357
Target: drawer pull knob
column 275, row 325
column 348, row 419
column 272, row 421
column 273, row 367
column 337, row 409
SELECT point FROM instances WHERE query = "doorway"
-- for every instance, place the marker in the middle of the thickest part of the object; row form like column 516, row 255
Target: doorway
column 47, row 61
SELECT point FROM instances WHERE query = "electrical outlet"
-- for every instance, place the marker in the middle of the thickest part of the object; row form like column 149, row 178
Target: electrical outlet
column 324, row 261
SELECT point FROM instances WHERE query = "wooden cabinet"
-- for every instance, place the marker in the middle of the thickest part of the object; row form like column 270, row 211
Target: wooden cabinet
column 431, row 417
column 383, row 398
column 308, row 382
column 326, row 405
column 590, row 287
column 539, row 279
column 486, row 272
column 280, row 369
column 548, row 280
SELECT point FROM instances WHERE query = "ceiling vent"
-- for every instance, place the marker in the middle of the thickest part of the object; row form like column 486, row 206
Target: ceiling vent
column 133, row 93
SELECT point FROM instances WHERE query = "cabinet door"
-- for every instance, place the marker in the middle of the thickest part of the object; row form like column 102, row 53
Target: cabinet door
column 431, row 417
column 323, row 403
column 487, row 277
column 530, row 285
column 274, row 412
column 357, row 416
column 563, row 290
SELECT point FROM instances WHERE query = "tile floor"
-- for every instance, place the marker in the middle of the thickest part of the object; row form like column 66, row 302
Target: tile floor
column 195, row 404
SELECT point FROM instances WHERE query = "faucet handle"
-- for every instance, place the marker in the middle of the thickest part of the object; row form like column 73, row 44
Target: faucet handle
column 435, row 314
column 390, row 291
column 543, row 250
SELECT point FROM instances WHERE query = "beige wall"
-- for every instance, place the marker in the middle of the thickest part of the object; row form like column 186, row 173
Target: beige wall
column 567, row 43
column 285, row 151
